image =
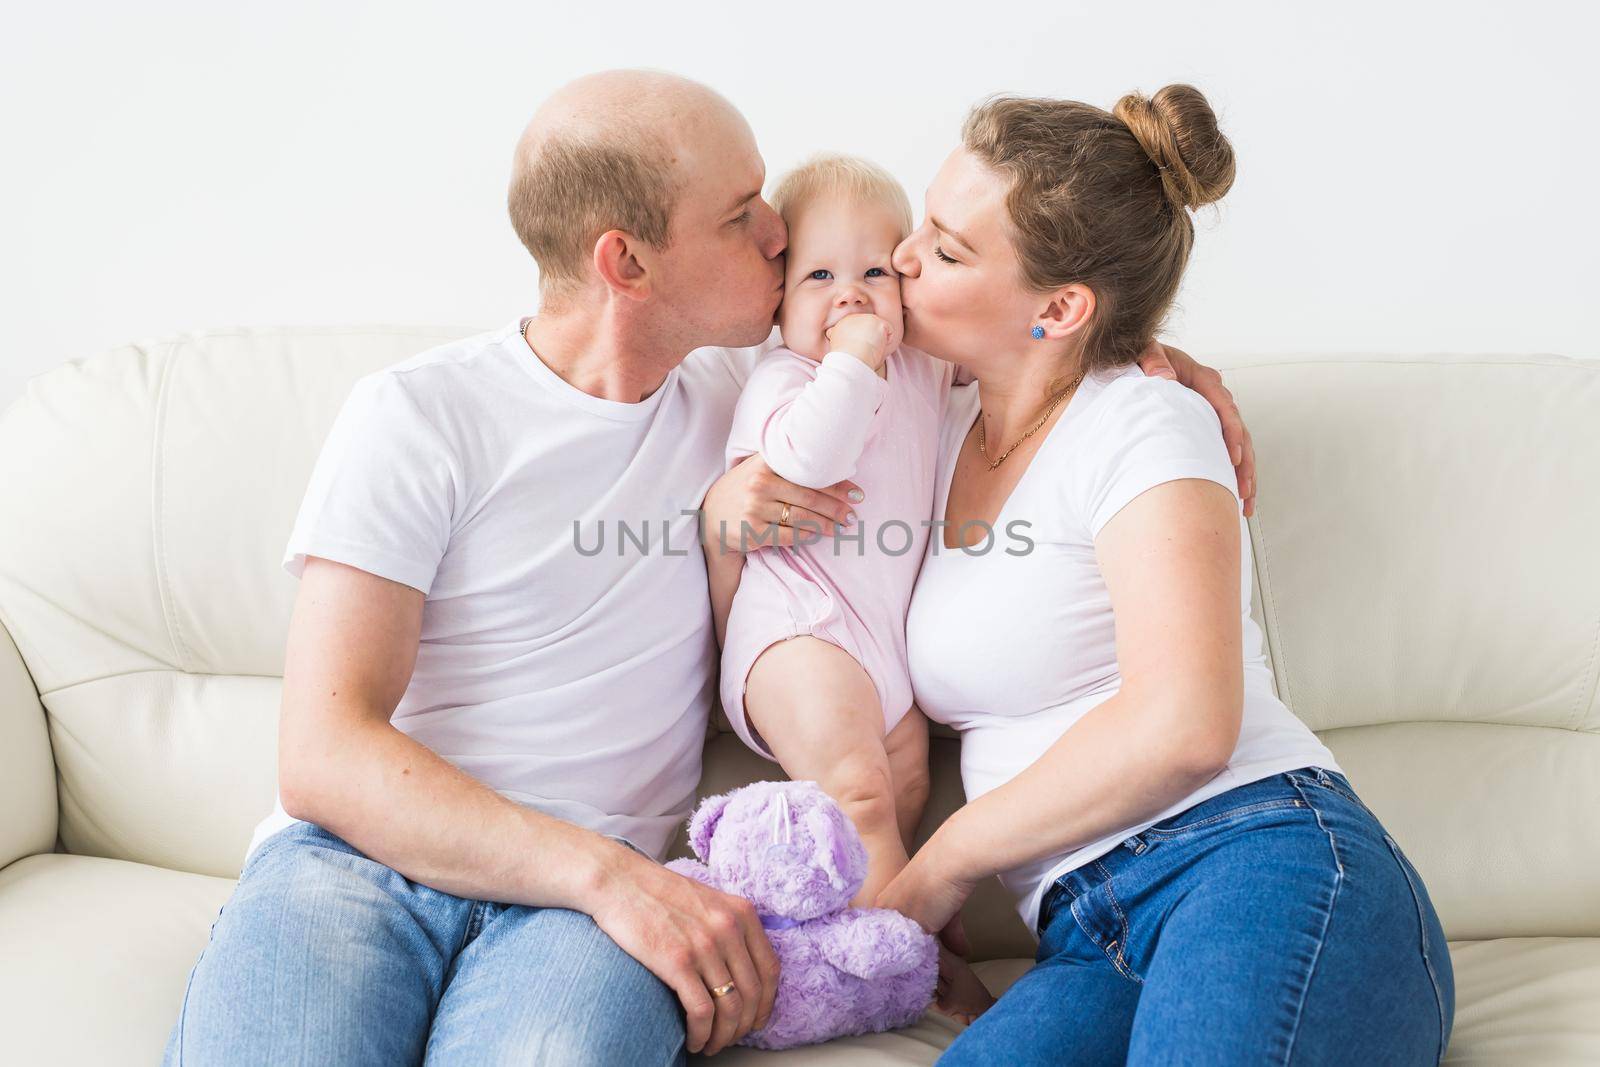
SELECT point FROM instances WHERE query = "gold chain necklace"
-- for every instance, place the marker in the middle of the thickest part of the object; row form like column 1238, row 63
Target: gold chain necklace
column 982, row 437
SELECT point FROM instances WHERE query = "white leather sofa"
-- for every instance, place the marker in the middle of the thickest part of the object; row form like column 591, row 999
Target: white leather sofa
column 1428, row 576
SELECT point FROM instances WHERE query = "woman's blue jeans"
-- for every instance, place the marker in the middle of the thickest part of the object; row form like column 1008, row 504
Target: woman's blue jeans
column 1276, row 923
column 324, row 956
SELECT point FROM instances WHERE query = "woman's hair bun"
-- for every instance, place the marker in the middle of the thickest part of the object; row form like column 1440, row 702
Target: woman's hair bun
column 1178, row 131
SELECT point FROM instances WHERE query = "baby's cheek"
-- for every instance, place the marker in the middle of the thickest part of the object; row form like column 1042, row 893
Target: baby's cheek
column 892, row 312
column 800, row 321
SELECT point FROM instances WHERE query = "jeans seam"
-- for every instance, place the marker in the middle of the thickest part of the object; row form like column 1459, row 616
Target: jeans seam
column 1327, row 919
column 473, row 926
column 1422, row 925
column 1119, row 961
column 1263, row 805
column 1332, row 784
column 183, row 1008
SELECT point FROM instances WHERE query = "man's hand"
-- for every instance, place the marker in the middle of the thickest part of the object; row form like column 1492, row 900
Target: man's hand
column 751, row 493
column 694, row 939
column 863, row 335
column 1163, row 361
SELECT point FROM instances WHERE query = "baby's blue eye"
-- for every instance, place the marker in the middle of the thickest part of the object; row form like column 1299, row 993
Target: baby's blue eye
column 820, row 275
column 878, row 271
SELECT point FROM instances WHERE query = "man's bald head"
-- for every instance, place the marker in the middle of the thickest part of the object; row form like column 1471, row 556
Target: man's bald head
column 611, row 151
column 624, row 103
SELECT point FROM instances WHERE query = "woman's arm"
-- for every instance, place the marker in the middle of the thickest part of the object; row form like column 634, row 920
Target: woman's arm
column 1170, row 560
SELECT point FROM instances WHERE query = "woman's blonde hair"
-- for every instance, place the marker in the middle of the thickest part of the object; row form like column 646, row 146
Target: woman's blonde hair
column 1103, row 199
column 827, row 174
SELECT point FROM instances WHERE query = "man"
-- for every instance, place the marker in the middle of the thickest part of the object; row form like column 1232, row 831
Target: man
column 494, row 695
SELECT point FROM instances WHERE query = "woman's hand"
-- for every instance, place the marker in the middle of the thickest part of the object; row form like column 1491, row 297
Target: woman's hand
column 1163, row 361
column 751, row 493
column 933, row 897
column 930, row 895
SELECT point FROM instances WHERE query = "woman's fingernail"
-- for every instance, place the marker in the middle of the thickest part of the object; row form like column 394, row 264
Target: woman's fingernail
column 850, row 519
column 856, row 496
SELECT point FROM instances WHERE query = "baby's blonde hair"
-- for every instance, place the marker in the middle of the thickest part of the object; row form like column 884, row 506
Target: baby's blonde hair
column 829, row 173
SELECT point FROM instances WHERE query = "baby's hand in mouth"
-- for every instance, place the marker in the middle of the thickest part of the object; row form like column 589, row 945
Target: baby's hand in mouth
column 863, row 335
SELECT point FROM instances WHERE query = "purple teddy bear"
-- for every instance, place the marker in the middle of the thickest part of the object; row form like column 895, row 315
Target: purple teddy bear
column 790, row 850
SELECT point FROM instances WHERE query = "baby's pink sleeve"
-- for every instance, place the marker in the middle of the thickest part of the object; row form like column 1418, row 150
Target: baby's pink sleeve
column 808, row 420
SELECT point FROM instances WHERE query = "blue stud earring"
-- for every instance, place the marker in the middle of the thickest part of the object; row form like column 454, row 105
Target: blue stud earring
column 1038, row 333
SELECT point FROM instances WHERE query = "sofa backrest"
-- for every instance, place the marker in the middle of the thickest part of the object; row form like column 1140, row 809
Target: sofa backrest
column 1425, row 568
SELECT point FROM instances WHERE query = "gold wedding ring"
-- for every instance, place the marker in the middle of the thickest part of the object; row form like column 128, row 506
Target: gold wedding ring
column 723, row 990
column 783, row 517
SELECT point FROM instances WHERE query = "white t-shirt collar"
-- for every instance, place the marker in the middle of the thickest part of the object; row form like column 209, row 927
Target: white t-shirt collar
column 616, row 410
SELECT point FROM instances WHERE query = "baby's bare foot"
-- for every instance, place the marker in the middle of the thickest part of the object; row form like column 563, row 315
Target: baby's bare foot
column 960, row 993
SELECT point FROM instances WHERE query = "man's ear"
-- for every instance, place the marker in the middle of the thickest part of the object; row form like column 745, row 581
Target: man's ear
column 1069, row 311
column 704, row 824
column 621, row 261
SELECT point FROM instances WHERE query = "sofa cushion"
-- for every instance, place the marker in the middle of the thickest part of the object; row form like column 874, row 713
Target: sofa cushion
column 1526, row 1000
column 95, row 955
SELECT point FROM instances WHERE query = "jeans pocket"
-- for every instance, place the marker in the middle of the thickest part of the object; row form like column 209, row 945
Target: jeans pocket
column 1435, row 951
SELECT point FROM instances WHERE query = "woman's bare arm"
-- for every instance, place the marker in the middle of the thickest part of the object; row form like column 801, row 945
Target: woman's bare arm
column 1170, row 560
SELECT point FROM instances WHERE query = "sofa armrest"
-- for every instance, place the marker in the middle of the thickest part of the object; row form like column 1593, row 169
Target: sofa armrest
column 27, row 766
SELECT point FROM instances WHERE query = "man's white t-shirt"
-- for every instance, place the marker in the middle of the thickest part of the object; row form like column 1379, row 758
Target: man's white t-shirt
column 567, row 656
column 1012, row 649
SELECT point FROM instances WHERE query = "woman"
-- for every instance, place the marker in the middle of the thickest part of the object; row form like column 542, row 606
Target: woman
column 1204, row 882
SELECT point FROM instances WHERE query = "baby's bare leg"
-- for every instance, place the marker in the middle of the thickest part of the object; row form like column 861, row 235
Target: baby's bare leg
column 907, row 745
column 818, row 711
column 961, row 994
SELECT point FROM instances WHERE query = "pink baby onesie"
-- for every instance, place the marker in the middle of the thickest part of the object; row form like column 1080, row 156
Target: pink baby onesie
column 817, row 424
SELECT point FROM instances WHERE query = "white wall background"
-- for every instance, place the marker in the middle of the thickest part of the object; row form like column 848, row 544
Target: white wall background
column 1411, row 177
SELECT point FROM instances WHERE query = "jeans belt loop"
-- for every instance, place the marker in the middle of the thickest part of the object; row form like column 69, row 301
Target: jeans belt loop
column 1135, row 844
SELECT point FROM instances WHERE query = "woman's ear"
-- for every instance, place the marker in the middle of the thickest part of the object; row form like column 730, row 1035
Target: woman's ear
column 1069, row 311
column 704, row 824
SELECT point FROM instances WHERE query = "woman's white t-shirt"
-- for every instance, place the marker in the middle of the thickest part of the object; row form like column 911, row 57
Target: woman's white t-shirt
column 1012, row 645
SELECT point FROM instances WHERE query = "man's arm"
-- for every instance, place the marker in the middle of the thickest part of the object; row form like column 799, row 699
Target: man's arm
column 724, row 568
column 352, row 645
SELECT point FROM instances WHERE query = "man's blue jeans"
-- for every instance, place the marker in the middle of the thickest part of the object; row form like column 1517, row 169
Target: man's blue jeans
column 1276, row 923
column 323, row 956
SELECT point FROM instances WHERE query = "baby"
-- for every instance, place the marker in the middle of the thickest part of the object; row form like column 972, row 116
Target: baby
column 814, row 670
